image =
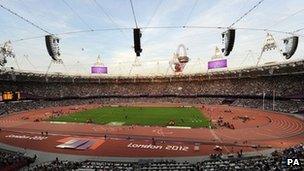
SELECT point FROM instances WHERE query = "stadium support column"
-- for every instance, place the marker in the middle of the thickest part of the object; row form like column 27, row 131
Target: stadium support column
column 16, row 62
column 273, row 100
column 263, row 100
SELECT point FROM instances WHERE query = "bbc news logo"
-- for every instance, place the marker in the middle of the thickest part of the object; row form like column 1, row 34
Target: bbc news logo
column 293, row 162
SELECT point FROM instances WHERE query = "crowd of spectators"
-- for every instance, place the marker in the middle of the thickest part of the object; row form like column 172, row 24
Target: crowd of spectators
column 247, row 92
column 32, row 104
column 13, row 161
column 280, row 105
column 56, row 165
column 286, row 106
column 275, row 161
column 282, row 86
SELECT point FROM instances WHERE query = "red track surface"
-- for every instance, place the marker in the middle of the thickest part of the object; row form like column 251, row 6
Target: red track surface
column 264, row 129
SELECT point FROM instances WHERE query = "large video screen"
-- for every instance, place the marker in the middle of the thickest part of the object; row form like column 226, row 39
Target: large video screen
column 217, row 64
column 99, row 70
column 7, row 95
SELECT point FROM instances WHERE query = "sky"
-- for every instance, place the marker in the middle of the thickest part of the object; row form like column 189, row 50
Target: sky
column 79, row 51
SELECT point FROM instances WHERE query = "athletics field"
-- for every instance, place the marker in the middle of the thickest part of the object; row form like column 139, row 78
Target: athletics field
column 149, row 116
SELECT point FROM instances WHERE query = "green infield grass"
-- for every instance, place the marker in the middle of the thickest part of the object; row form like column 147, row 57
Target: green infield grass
column 150, row 116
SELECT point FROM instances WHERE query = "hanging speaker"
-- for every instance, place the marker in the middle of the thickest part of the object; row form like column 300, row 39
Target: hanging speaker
column 228, row 41
column 291, row 45
column 52, row 45
column 137, row 36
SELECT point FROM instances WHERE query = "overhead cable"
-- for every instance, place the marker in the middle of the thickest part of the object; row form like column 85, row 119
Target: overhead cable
column 246, row 13
column 80, row 18
column 24, row 19
column 154, row 12
column 191, row 11
column 133, row 12
column 285, row 18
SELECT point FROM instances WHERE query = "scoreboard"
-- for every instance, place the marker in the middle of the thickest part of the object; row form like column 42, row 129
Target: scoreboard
column 10, row 96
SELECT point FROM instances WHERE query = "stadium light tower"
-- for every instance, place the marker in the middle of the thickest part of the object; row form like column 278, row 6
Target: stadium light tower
column 269, row 45
column 99, row 67
column 6, row 51
column 136, row 63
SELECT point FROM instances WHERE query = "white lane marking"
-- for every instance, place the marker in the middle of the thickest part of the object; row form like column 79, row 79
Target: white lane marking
column 217, row 138
column 161, row 132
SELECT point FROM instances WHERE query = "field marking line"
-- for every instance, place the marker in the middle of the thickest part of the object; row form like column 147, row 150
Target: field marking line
column 178, row 127
column 271, row 136
column 217, row 138
column 160, row 132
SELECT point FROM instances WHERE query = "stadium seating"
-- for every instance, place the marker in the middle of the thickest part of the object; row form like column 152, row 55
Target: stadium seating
column 13, row 161
column 288, row 106
column 285, row 87
column 276, row 161
column 239, row 87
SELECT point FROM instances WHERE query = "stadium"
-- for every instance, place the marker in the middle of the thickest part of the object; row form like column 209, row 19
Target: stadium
column 173, row 113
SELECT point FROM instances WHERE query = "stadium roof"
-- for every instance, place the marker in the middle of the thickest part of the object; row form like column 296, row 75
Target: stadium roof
column 80, row 50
